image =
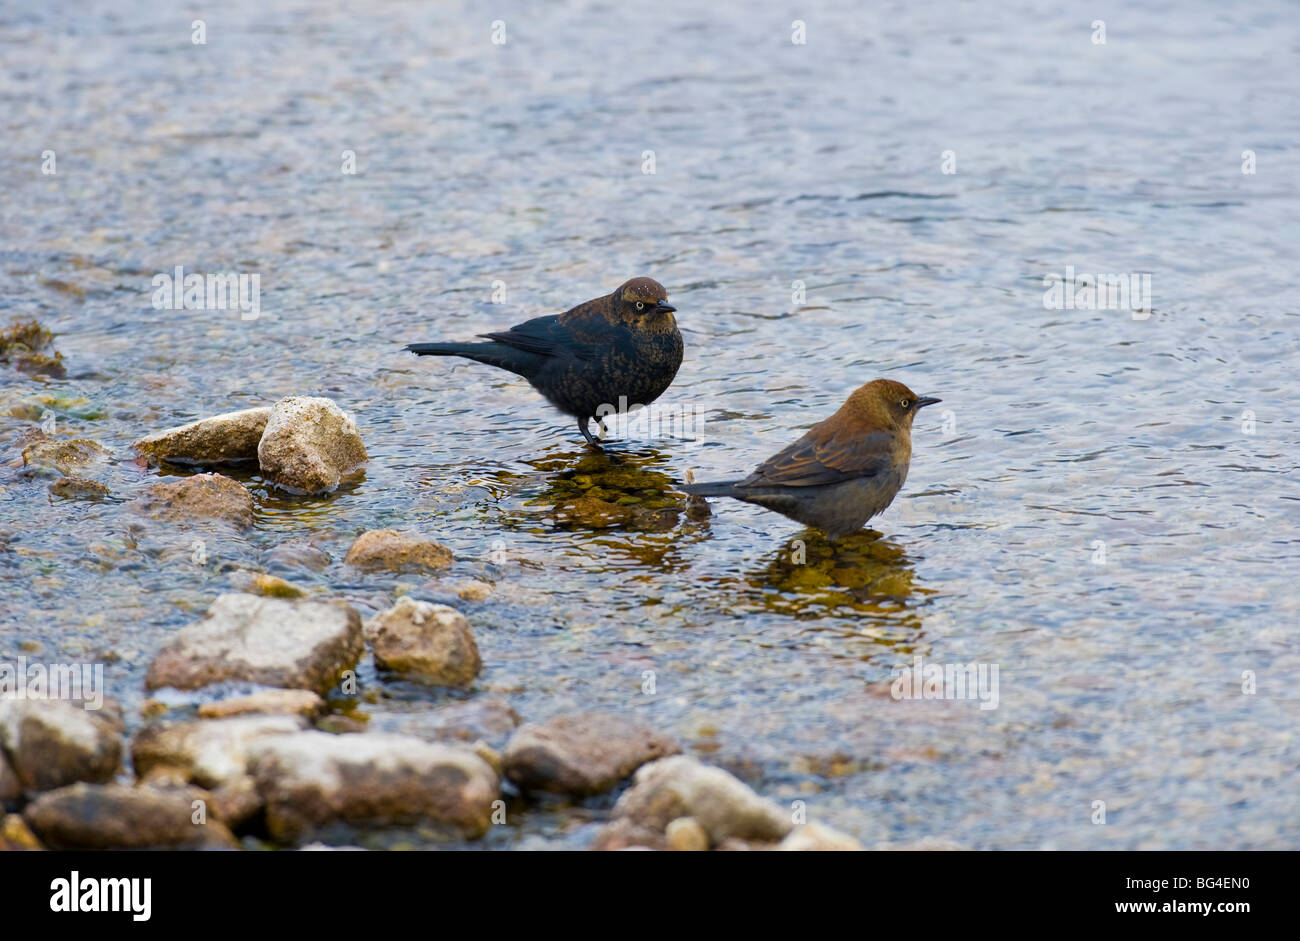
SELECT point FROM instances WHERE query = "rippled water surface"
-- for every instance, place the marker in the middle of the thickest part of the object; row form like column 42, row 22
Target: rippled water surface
column 774, row 163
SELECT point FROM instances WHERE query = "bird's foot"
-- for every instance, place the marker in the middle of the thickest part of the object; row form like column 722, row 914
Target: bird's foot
column 586, row 433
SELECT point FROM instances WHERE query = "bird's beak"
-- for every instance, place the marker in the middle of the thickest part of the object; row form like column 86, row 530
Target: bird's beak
column 925, row 400
column 663, row 307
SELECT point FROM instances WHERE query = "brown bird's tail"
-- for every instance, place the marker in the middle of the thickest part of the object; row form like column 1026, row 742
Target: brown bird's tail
column 720, row 488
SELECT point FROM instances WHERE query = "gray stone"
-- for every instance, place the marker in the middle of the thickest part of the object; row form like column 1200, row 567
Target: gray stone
column 269, row 641
column 724, row 806
column 427, row 643
column 582, row 753
column 50, row 743
column 311, row 779
column 221, row 439
column 114, row 816
column 309, row 445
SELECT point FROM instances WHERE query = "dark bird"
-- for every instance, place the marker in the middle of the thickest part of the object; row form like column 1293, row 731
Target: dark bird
column 844, row 471
column 616, row 351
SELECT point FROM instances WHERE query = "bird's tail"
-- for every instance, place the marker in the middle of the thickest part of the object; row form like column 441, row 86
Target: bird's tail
column 720, row 488
column 493, row 354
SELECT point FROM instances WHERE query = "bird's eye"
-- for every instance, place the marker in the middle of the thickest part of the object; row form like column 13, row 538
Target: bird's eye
column 639, row 305
column 904, row 403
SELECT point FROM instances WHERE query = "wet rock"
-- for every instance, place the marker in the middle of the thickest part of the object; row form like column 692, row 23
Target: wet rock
column 268, row 641
column 473, row 590
column 203, row 496
column 50, row 743
column 15, row 835
column 10, row 787
column 66, row 456
column 625, row 834
column 681, row 786
column 236, row 801
column 309, row 445
column 311, row 779
column 489, row 719
column 269, row 586
column 78, row 488
column 816, row 836
column 210, row 752
column 427, row 643
column 341, row 725
column 389, row 550
column 289, row 702
column 222, row 439
column 25, row 344
column 152, row 709
column 113, row 816
column 582, row 753
column 299, row 555
column 686, row 835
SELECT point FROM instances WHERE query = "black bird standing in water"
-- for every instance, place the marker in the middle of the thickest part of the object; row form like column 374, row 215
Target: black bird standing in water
column 844, row 471
column 620, row 349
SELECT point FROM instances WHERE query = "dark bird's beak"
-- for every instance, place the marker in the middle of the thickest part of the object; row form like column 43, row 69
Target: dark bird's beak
column 925, row 400
column 663, row 307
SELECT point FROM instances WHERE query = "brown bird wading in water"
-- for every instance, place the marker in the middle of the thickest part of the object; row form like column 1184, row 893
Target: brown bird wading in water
column 620, row 349
column 844, row 471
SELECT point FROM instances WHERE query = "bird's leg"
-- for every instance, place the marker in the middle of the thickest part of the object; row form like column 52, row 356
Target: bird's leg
column 586, row 433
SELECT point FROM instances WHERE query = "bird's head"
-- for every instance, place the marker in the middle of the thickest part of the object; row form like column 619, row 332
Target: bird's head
column 887, row 405
column 643, row 303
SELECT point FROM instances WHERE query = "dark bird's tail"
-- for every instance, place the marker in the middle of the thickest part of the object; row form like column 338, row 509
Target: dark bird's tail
column 493, row 354
column 721, row 488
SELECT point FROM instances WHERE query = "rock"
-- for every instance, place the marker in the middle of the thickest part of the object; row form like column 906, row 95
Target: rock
column 682, row 786
column 686, row 835
column 23, row 344
column 203, row 496
column 488, row 719
column 210, row 752
column 10, row 787
column 113, row 816
column 340, row 725
column 816, row 836
column 299, row 555
column 65, row 455
column 236, row 801
column 311, row 779
column 289, row 702
column 387, row 549
column 268, row 641
column 15, row 835
column 222, row 439
column 78, row 488
column 309, row 445
column 269, row 586
column 473, row 590
column 52, row 742
column 582, row 753
column 427, row 643
column 624, row 834
column 152, row 709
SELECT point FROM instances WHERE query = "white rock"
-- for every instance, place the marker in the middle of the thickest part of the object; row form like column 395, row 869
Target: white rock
column 309, row 445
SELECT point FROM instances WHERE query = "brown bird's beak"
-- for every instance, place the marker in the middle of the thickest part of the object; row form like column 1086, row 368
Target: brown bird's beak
column 925, row 400
column 663, row 307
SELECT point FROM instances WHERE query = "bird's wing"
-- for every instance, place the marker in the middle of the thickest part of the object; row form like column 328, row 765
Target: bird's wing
column 545, row 336
column 824, row 457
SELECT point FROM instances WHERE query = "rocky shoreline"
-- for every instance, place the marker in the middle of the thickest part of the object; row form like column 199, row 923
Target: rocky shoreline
column 268, row 757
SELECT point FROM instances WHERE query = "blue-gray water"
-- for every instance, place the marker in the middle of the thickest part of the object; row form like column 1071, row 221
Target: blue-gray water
column 774, row 163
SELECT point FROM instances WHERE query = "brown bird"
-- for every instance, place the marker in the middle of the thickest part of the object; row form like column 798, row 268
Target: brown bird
column 844, row 471
column 619, row 350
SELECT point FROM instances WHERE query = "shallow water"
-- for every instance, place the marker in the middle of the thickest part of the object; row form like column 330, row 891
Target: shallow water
column 522, row 163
